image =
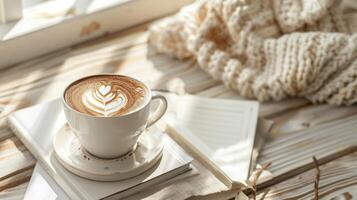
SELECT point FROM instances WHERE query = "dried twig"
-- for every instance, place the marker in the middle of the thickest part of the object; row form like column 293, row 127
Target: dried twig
column 256, row 177
column 317, row 178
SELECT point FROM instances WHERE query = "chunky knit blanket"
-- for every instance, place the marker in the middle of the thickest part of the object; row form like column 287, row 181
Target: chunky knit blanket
column 269, row 49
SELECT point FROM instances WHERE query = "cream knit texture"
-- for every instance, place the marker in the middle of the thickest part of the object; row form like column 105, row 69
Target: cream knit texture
column 269, row 49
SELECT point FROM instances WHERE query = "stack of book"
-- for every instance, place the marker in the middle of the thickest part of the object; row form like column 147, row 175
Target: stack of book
column 36, row 127
column 224, row 135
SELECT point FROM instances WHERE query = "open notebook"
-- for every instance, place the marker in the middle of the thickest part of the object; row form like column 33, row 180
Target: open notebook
column 218, row 132
column 36, row 126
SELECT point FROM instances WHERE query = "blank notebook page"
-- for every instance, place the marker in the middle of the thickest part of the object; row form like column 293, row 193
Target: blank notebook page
column 223, row 130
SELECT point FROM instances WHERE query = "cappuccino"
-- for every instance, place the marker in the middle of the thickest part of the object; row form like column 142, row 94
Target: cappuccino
column 106, row 95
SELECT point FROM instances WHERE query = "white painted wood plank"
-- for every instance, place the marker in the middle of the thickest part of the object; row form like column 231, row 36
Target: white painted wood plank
column 14, row 193
column 338, row 181
column 308, row 116
column 296, row 150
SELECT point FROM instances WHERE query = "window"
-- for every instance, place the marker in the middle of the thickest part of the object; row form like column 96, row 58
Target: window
column 62, row 23
column 10, row 10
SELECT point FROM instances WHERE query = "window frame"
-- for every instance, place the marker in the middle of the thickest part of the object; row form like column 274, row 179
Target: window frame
column 10, row 10
column 34, row 35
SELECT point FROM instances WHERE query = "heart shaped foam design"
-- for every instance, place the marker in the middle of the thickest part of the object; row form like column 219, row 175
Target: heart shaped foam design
column 104, row 100
column 104, row 89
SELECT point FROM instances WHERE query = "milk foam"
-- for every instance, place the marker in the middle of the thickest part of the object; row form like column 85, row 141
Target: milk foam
column 106, row 96
column 105, row 103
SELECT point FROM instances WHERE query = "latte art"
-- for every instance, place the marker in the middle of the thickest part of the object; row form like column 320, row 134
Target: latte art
column 106, row 95
column 103, row 100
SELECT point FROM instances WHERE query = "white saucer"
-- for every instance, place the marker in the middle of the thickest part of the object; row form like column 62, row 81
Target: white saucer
column 76, row 159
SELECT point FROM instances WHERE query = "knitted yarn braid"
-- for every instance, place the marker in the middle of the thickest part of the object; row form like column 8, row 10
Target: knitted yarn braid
column 269, row 49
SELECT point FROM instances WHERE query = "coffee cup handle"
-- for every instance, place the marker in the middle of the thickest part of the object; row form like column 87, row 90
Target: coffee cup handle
column 160, row 111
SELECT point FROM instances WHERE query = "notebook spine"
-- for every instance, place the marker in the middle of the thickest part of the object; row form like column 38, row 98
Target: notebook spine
column 171, row 130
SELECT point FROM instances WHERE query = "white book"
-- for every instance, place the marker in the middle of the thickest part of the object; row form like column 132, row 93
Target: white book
column 43, row 187
column 36, row 126
column 218, row 132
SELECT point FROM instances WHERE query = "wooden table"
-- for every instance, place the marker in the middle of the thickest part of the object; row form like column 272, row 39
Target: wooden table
column 127, row 53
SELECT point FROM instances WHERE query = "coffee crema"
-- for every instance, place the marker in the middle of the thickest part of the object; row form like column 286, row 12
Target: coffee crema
column 106, row 95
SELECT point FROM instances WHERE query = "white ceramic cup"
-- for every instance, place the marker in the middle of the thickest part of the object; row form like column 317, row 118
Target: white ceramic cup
column 111, row 137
